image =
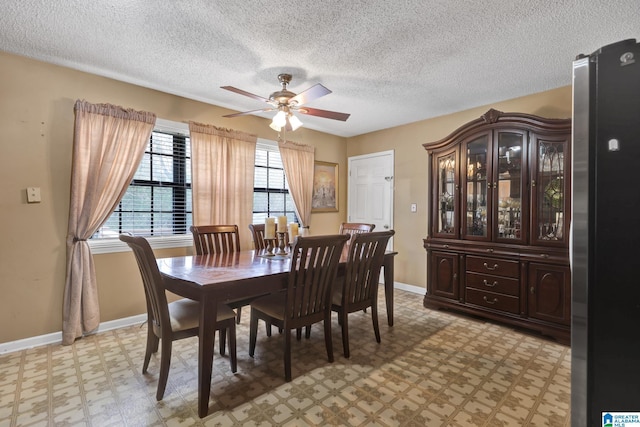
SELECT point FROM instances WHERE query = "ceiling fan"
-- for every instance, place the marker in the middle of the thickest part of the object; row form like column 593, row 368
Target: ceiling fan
column 286, row 102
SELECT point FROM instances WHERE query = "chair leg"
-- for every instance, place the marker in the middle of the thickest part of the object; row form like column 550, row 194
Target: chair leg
column 222, row 336
column 344, row 322
column 267, row 326
column 232, row 349
column 156, row 343
column 327, row 337
column 253, row 332
column 238, row 314
column 374, row 318
column 287, row 355
column 152, row 347
column 165, row 364
column 307, row 331
column 299, row 334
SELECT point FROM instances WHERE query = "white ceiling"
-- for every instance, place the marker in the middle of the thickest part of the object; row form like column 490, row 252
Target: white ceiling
column 388, row 62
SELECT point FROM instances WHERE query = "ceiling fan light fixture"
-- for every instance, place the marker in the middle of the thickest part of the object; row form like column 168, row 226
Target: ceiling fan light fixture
column 294, row 122
column 274, row 127
column 279, row 121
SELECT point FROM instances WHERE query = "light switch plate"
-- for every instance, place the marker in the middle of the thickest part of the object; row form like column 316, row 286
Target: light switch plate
column 414, row 207
column 33, row 195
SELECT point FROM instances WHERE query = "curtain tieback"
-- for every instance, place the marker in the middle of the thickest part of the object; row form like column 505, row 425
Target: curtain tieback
column 75, row 239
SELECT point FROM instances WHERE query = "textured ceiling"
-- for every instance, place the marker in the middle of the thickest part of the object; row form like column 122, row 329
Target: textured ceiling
column 387, row 62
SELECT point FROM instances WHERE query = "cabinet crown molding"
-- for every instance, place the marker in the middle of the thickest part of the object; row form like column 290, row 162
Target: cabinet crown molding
column 495, row 118
column 491, row 116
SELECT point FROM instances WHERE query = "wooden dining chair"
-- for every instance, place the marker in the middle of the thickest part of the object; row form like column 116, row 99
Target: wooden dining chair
column 355, row 228
column 352, row 228
column 168, row 322
column 216, row 239
column 358, row 288
column 257, row 234
column 307, row 300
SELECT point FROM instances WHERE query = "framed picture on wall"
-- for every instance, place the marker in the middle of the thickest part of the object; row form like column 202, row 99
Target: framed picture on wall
column 325, row 187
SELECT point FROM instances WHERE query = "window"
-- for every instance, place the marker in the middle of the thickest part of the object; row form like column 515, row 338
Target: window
column 158, row 200
column 271, row 196
column 157, row 204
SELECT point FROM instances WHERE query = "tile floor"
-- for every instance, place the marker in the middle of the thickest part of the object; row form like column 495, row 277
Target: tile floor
column 433, row 368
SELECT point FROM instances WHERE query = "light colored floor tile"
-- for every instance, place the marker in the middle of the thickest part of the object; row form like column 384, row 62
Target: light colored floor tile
column 431, row 369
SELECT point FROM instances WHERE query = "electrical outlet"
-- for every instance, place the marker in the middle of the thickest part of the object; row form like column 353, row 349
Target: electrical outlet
column 33, row 195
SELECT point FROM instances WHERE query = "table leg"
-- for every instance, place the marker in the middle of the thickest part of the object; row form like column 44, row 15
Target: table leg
column 206, row 336
column 388, row 286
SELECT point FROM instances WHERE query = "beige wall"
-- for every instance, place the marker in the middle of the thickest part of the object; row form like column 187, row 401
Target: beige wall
column 36, row 118
column 410, row 174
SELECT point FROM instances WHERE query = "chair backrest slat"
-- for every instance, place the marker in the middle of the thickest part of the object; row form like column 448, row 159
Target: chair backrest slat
column 314, row 264
column 366, row 255
column 215, row 239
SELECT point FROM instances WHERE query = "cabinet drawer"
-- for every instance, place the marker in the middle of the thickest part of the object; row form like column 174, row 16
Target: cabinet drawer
column 487, row 282
column 493, row 300
column 494, row 266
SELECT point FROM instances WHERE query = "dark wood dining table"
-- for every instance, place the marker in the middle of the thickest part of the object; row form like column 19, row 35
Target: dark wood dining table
column 215, row 278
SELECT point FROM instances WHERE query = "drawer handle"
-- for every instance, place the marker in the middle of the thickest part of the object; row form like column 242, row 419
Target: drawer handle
column 490, row 250
column 495, row 266
column 491, row 285
column 544, row 255
column 495, row 300
column 446, row 246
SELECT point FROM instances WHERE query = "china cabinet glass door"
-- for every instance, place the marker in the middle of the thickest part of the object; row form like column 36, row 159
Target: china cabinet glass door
column 476, row 194
column 549, row 191
column 446, row 189
column 508, row 187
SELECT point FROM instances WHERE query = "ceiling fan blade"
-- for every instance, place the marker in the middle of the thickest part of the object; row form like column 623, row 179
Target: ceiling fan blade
column 324, row 113
column 314, row 92
column 262, row 110
column 245, row 93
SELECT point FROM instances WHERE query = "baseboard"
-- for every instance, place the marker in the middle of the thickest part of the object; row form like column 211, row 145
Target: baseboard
column 56, row 337
column 409, row 288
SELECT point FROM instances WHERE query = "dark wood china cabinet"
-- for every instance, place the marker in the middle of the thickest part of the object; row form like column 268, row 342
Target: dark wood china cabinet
column 499, row 207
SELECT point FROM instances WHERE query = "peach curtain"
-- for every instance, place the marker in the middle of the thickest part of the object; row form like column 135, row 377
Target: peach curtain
column 297, row 160
column 108, row 144
column 222, row 169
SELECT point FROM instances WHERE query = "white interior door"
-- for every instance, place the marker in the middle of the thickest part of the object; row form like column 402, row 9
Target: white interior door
column 370, row 190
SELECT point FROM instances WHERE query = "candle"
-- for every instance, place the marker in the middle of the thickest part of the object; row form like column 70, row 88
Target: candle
column 282, row 224
column 293, row 231
column 270, row 228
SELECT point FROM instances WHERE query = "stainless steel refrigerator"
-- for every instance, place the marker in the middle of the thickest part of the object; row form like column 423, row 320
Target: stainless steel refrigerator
column 605, row 243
